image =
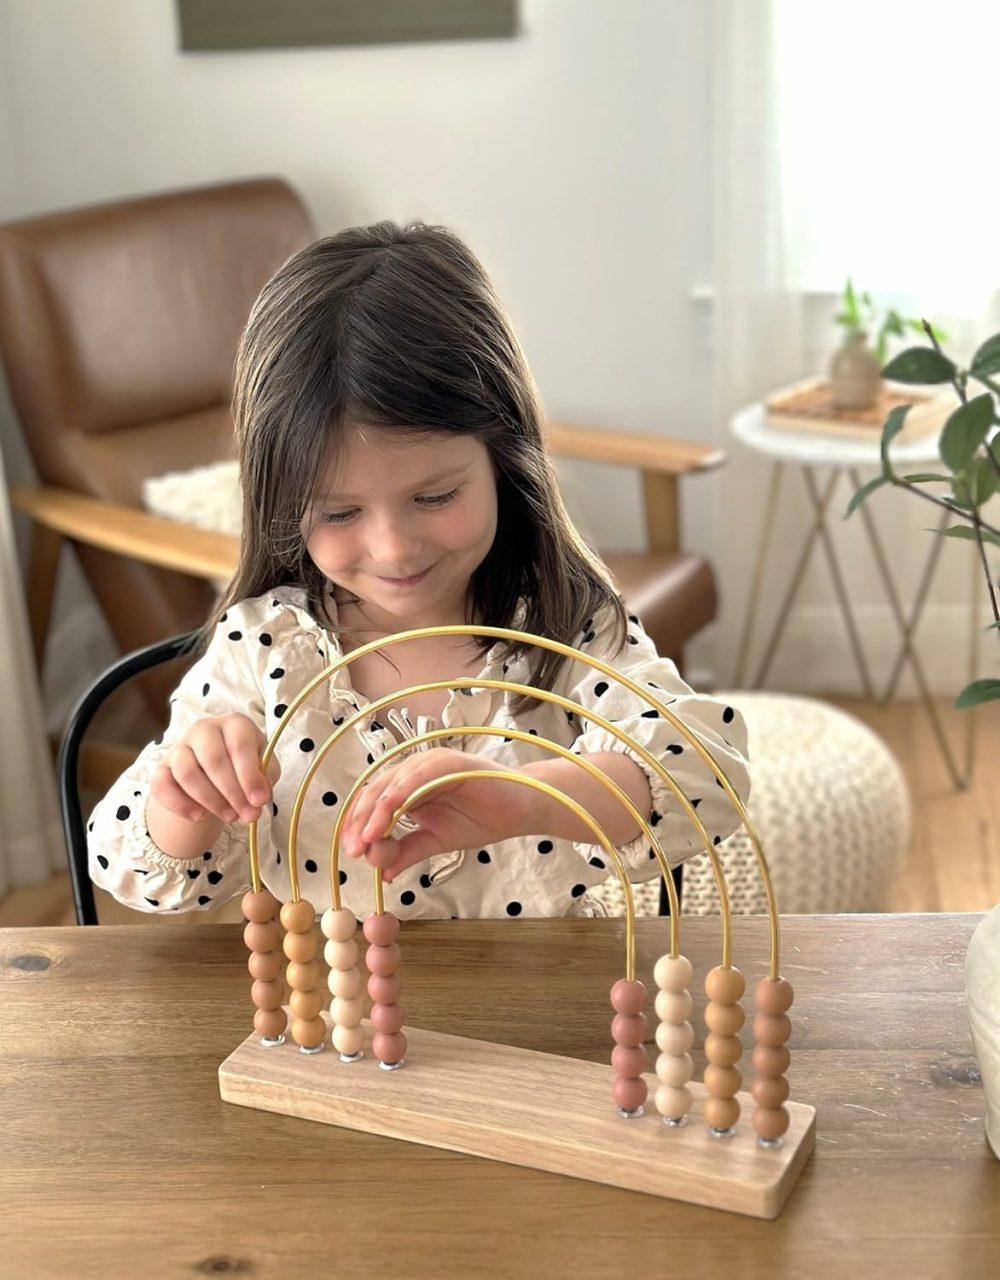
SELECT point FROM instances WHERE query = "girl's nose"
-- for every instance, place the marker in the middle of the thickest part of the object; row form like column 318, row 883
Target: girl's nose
column 395, row 547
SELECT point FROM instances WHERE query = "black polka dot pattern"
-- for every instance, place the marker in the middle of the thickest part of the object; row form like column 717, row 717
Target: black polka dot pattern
column 103, row 861
column 578, row 890
column 277, row 673
column 214, row 877
column 727, row 715
column 514, row 908
column 408, row 898
column 204, row 689
column 600, row 688
column 194, row 873
column 204, row 900
column 425, row 881
column 236, row 635
column 265, row 639
column 343, row 877
column 544, row 846
column 280, row 710
column 483, row 856
column 311, row 865
column 307, row 744
column 329, row 799
column 122, row 812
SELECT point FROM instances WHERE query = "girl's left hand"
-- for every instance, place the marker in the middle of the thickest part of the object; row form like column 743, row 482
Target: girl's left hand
column 458, row 815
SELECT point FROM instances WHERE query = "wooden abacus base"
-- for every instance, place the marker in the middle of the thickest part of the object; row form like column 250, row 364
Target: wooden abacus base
column 522, row 1107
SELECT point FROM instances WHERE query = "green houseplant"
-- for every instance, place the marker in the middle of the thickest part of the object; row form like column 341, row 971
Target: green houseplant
column 856, row 367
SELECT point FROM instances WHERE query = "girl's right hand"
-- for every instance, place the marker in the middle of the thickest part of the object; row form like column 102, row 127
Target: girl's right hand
column 214, row 768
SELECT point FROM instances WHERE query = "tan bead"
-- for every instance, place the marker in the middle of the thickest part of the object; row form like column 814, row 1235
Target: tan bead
column 389, row 1048
column 270, row 1023
column 341, row 954
column 388, row 1018
column 628, row 997
column 769, row 1061
column 770, row 1125
column 673, row 973
column 722, row 1082
column 724, row 1019
column 772, row 1029
column 262, row 937
column 267, row 995
column 628, row 1060
column 725, row 986
column 306, row 1004
column 628, row 1028
column 384, row 961
column 674, row 1039
column 348, row 1040
column 298, row 917
column 265, row 965
column 308, row 1032
column 673, row 1102
column 674, row 1006
column 380, row 930
column 720, row 1113
column 347, row 1013
column 300, row 946
column 770, row 1092
column 774, row 995
column 724, row 1051
column 344, row 982
column 338, row 925
column 259, row 907
column 385, row 990
column 674, row 1069
column 302, row 977
column 629, row 1092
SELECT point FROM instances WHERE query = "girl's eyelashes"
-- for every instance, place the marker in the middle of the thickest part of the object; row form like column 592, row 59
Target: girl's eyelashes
column 438, row 499
column 432, row 500
column 337, row 517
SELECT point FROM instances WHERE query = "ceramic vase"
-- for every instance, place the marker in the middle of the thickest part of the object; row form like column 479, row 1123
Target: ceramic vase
column 854, row 374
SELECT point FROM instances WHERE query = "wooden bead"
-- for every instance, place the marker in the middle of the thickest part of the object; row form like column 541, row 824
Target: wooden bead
column 629, row 1092
column 341, row 954
column 389, row 1048
column 674, row 1006
column 306, row 1004
column 674, row 1039
column 344, row 982
column 298, row 917
column 772, row 1029
column 722, row 1082
column 262, row 936
column 770, row 1125
column 720, row 1113
column 348, row 1040
column 308, row 1032
column 265, row 965
column 725, row 986
column 724, row 1019
column 388, row 1018
column 385, row 990
column 769, row 1061
column 347, row 1013
column 628, row 1028
column 302, row 977
column 628, row 997
column 259, row 907
column 628, row 1060
column 674, row 1069
column 270, row 1023
column 774, row 995
column 673, row 1102
column 673, row 973
column 300, row 946
column 724, row 1051
column 381, row 930
column 384, row 961
column 338, row 925
column 770, row 1092
column 267, row 995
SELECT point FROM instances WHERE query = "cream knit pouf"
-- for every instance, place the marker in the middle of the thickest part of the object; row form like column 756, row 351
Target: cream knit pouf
column 829, row 803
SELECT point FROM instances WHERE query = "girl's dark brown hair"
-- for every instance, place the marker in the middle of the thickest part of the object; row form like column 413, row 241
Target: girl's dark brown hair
column 399, row 328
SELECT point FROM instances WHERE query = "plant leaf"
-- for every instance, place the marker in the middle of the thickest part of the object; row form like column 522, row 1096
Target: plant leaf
column 979, row 691
column 863, row 493
column 965, row 431
column 921, row 366
column 921, row 477
column 982, row 481
column 967, row 533
column 987, row 358
column 891, row 428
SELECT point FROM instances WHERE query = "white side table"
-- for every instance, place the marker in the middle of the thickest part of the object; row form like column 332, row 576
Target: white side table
column 810, row 453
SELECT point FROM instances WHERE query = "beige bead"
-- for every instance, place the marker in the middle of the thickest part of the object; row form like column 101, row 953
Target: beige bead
column 262, row 937
column 722, row 1082
column 347, row 1013
column 774, row 995
column 674, row 1039
column 298, row 917
column 348, row 1040
column 724, row 1051
column 673, row 973
column 302, row 977
column 270, row 1023
column 772, row 1029
column 265, row 965
column 674, row 1006
column 720, row 1113
column 770, row 1092
column 308, row 1032
column 674, row 1070
column 259, row 907
column 344, row 982
column 673, row 1102
column 341, row 954
column 339, row 925
column 306, row 1004
column 770, row 1125
column 724, row 1019
column 768, row 1061
column 300, row 946
column 725, row 986
column 267, row 995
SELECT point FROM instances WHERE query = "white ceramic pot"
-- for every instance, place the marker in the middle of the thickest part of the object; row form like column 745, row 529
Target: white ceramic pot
column 982, row 993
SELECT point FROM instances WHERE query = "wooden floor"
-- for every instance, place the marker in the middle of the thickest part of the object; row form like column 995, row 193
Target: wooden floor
column 953, row 862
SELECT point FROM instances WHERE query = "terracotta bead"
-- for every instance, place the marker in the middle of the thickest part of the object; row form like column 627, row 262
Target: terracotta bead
column 302, row 977
column 341, row 955
column 347, row 1013
column 674, row 1070
column 388, row 1018
column 770, row 1125
column 628, row 997
column 300, row 946
column 384, row 961
column 724, row 1051
column 629, row 1093
column 722, row 1082
column 673, row 973
column 298, row 917
column 770, row 1092
column 385, row 990
column 308, row 1032
column 381, row 930
column 724, row 1019
column 306, row 1004
column 674, row 1039
column 720, row 1113
column 265, row 965
column 338, row 925
column 628, row 1028
column 774, row 996
column 270, row 1023
column 267, row 995
column 725, row 986
column 262, row 936
column 673, row 1102
column 259, row 907
column 674, row 1006
column 389, row 1048
column 344, row 982
column 768, row 1061
column 628, row 1060
column 348, row 1040
column 772, row 1029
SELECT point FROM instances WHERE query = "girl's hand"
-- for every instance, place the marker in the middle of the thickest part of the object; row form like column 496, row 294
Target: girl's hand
column 214, row 768
column 458, row 815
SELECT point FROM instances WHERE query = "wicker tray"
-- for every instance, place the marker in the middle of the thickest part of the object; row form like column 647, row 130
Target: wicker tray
column 808, row 406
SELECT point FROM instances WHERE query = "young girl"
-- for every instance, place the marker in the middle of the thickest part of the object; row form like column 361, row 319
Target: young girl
column 395, row 476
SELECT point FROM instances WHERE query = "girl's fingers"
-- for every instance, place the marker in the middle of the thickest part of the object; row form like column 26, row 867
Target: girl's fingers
column 253, row 788
column 165, row 791
column 192, row 780
column 415, row 847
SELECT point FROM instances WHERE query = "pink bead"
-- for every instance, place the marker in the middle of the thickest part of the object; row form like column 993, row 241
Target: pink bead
column 387, row 1018
column 262, row 936
column 628, row 1060
column 261, row 907
column 629, row 1093
column 628, row 997
column 383, row 854
column 770, row 1125
column 381, row 930
column 774, row 996
column 772, row 1029
column 628, row 1028
column 389, row 1048
column 384, row 961
column 385, row 990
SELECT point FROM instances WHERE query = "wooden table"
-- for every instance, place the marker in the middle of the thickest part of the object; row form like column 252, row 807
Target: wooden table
column 118, row 1159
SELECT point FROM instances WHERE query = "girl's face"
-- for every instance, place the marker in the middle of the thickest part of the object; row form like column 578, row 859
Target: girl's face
column 402, row 523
